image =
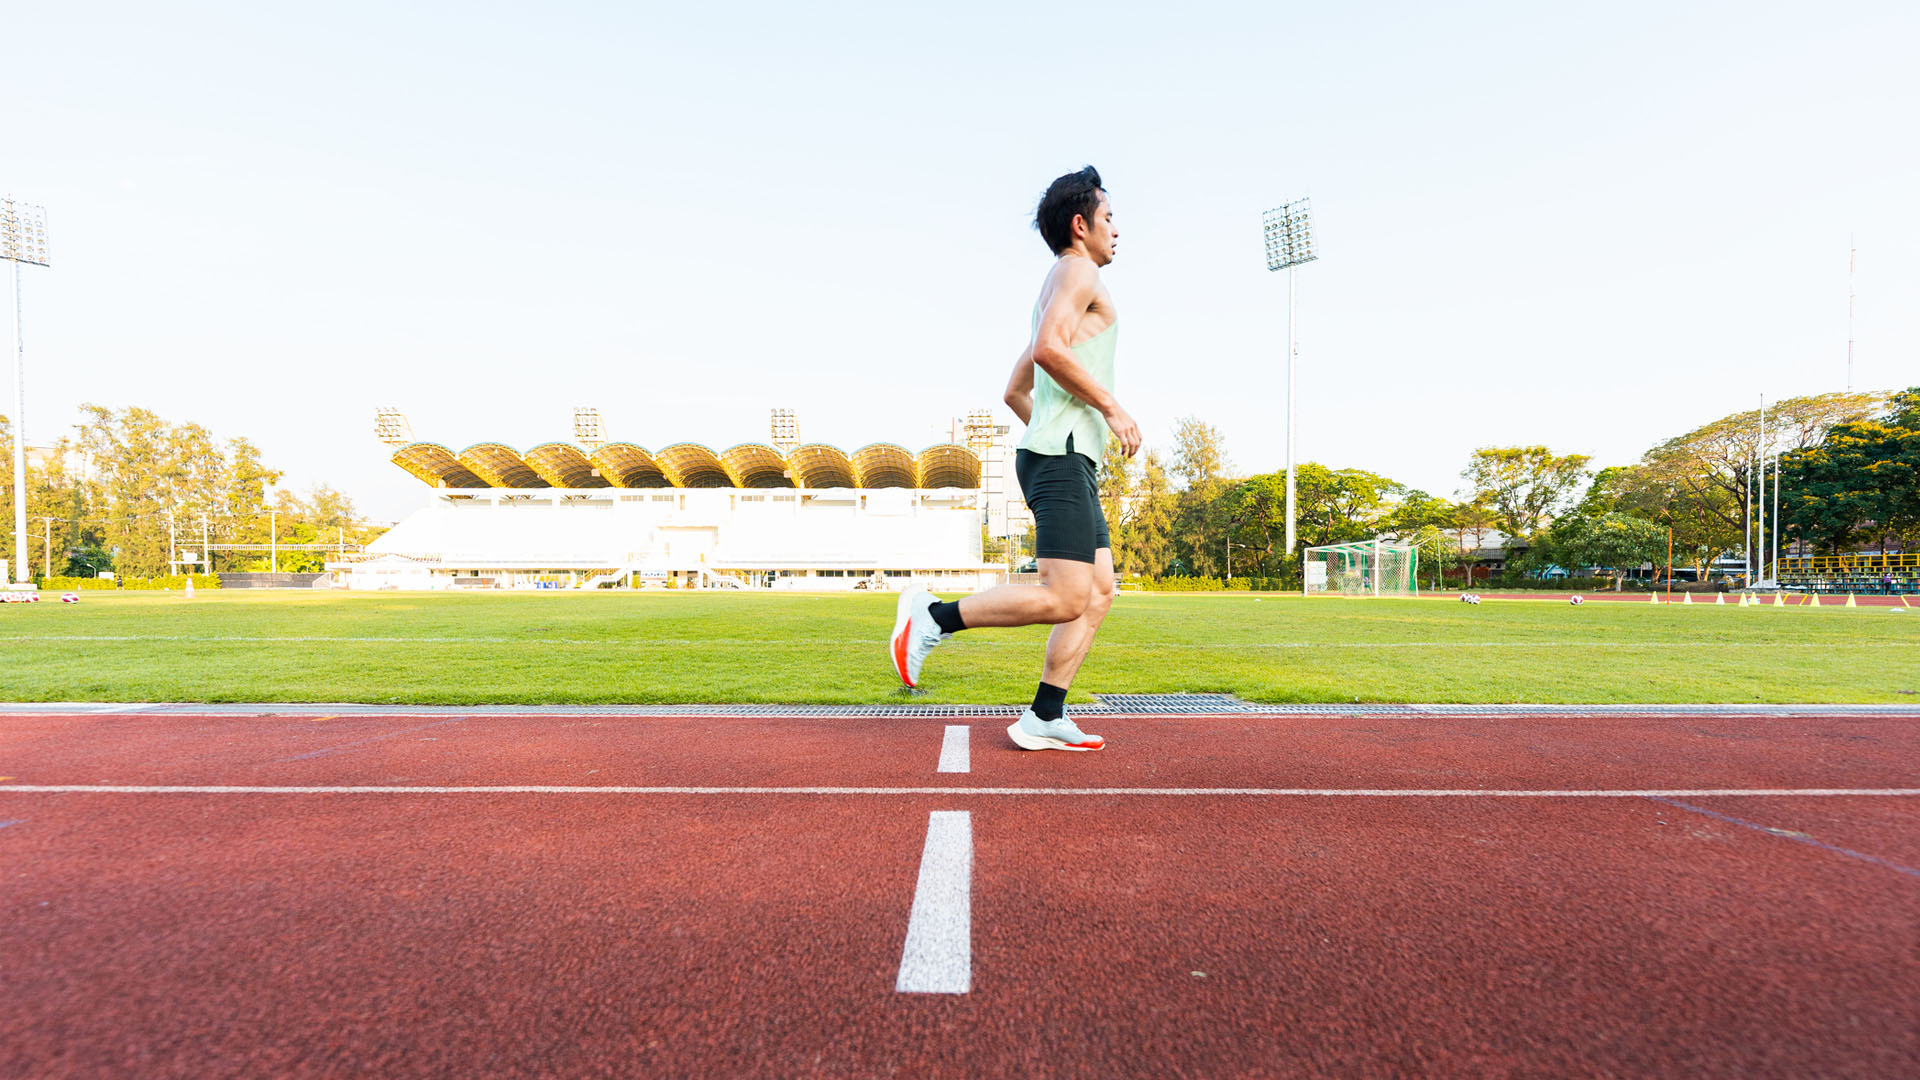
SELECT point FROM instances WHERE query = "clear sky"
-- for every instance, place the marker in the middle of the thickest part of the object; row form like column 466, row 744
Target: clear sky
column 1591, row 226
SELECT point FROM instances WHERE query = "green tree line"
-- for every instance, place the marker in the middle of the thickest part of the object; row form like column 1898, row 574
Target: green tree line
column 1849, row 466
column 1185, row 514
column 110, row 496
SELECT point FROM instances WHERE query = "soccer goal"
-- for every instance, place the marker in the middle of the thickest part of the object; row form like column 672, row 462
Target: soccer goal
column 1367, row 568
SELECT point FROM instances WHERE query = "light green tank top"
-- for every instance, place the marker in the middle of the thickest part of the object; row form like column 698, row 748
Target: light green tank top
column 1058, row 414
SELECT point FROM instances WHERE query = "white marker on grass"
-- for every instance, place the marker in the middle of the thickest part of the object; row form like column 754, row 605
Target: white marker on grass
column 938, row 955
column 953, row 749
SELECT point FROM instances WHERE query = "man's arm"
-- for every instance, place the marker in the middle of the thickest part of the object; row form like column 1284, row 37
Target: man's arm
column 1019, row 395
column 1053, row 349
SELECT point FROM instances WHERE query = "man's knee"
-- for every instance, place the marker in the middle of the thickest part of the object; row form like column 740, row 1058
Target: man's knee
column 1067, row 601
column 1102, row 598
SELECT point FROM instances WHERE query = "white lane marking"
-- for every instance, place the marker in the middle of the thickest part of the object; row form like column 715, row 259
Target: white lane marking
column 983, row 643
column 954, row 756
column 938, row 955
column 1201, row 792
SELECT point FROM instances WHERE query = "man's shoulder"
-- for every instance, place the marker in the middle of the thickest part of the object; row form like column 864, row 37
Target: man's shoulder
column 1076, row 265
column 1073, row 272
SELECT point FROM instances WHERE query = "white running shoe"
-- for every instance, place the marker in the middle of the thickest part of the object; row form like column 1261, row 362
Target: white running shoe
column 1032, row 733
column 914, row 634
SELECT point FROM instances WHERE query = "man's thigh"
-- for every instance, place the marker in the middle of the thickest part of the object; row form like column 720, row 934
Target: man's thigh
column 1104, row 580
column 1059, row 489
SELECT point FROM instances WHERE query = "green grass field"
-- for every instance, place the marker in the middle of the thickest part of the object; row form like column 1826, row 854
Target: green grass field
column 530, row 648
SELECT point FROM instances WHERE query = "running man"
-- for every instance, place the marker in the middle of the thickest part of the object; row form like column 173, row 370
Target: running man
column 1069, row 408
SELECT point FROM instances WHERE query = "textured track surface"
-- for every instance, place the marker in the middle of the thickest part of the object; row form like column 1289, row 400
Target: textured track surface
column 1617, row 929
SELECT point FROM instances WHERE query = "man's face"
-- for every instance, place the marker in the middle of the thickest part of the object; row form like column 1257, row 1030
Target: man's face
column 1102, row 239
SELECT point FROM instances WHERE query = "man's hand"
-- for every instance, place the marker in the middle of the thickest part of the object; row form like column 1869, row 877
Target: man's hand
column 1124, row 429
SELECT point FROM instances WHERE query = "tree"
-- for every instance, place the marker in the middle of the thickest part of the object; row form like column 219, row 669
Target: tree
column 1256, row 514
column 1615, row 541
column 1703, row 479
column 1144, row 542
column 1610, row 485
column 1472, row 521
column 1417, row 510
column 1423, row 520
column 142, row 474
column 1116, row 482
column 1861, row 481
column 1199, row 531
column 1333, row 506
column 1199, row 455
column 244, row 498
column 1523, row 485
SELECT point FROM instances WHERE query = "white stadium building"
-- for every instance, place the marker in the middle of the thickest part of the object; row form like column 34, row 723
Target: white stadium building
column 781, row 515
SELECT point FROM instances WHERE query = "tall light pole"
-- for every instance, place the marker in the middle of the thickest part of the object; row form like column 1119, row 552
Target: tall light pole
column 1289, row 235
column 1851, row 252
column 23, row 239
column 1760, row 511
column 1776, row 515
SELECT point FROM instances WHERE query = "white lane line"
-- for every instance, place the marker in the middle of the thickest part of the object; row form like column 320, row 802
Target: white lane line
column 681, row 643
column 1202, row 792
column 938, row 955
column 954, row 755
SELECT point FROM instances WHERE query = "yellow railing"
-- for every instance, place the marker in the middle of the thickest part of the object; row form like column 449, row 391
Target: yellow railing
column 1830, row 564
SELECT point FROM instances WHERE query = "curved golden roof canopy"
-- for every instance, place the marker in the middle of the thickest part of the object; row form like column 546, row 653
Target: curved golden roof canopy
column 500, row 467
column 817, row 465
column 748, row 465
column 756, row 465
column 436, row 465
column 948, row 465
column 563, row 465
column 628, row 466
column 882, row 465
column 692, row 465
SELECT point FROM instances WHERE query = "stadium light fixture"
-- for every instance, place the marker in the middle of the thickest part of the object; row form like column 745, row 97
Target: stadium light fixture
column 785, row 433
column 390, row 426
column 587, row 427
column 1289, row 235
column 23, row 239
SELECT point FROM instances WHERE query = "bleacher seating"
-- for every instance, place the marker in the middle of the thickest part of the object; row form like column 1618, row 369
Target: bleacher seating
column 1864, row 574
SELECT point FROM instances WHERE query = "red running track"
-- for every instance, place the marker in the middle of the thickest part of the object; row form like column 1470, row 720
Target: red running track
column 726, row 934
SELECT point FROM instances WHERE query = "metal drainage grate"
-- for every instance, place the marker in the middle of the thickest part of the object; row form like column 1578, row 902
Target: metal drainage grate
column 1171, row 703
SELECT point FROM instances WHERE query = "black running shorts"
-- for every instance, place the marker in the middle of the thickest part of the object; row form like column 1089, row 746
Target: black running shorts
column 1061, row 491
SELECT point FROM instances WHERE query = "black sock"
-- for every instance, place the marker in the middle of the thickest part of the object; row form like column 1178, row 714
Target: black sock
column 1050, row 702
column 948, row 616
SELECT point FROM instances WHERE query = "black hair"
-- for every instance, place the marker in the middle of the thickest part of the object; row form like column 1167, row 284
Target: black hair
column 1074, row 193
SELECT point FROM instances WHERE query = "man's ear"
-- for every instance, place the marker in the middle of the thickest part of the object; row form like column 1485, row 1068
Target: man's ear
column 1080, row 227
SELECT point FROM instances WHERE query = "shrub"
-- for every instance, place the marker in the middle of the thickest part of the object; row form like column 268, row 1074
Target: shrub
column 1184, row 584
column 1518, row 583
column 74, row 584
column 164, row 581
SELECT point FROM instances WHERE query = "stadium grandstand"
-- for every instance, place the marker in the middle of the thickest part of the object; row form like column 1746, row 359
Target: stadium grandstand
column 782, row 514
column 1864, row 572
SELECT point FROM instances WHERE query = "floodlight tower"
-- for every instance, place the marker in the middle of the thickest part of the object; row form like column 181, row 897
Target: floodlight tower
column 390, row 426
column 23, row 239
column 588, row 429
column 785, row 431
column 980, row 431
column 1289, row 235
